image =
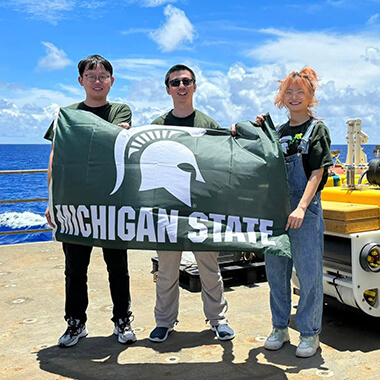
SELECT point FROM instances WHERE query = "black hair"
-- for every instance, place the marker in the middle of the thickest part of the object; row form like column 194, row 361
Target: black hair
column 92, row 62
column 178, row 68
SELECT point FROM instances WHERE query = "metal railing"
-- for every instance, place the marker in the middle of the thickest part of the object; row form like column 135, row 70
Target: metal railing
column 7, row 201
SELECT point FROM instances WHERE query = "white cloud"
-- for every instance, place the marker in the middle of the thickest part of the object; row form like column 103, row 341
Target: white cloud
column 373, row 20
column 242, row 92
column 22, row 96
column 151, row 3
column 137, row 30
column 337, row 57
column 55, row 58
column 48, row 10
column 26, row 113
column 349, row 67
column 72, row 90
column 372, row 55
column 138, row 63
column 176, row 31
column 337, row 4
column 94, row 4
column 339, row 105
column 54, row 11
column 31, row 121
column 138, row 69
column 238, row 94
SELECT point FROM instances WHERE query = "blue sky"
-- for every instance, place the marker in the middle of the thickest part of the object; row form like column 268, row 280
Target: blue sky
column 238, row 49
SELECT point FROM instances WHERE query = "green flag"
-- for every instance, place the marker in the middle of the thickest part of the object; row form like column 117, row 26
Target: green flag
column 168, row 187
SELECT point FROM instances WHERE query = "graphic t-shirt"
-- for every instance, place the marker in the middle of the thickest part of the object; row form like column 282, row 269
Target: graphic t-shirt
column 319, row 155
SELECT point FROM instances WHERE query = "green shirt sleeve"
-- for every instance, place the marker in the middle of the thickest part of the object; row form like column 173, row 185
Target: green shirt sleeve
column 122, row 114
column 319, row 149
column 159, row 120
column 204, row 121
column 319, row 153
column 215, row 125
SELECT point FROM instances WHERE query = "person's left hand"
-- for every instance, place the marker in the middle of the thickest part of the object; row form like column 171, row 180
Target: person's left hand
column 295, row 219
column 124, row 125
column 233, row 129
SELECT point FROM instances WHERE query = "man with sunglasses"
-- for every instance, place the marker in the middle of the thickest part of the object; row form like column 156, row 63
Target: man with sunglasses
column 95, row 75
column 181, row 85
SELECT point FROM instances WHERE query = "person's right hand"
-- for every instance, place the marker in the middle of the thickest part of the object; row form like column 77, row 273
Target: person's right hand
column 259, row 119
column 233, row 129
column 124, row 125
column 48, row 218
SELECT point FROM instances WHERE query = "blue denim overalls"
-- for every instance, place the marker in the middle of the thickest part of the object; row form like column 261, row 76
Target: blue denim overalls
column 307, row 254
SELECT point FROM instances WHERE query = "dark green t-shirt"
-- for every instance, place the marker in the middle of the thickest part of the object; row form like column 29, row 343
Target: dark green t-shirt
column 196, row 119
column 319, row 155
column 114, row 113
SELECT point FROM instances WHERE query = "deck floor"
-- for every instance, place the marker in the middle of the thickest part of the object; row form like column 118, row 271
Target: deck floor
column 32, row 303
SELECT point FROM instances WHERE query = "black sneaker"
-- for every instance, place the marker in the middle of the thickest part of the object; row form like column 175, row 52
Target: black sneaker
column 223, row 332
column 75, row 330
column 124, row 331
column 160, row 334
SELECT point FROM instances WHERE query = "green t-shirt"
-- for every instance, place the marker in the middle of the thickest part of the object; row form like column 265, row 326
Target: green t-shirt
column 319, row 155
column 114, row 113
column 196, row 119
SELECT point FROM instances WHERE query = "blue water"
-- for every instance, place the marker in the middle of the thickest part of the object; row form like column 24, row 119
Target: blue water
column 25, row 216
column 368, row 150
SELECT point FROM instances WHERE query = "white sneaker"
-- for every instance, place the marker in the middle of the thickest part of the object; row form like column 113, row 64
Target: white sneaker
column 308, row 346
column 276, row 339
column 75, row 330
column 124, row 331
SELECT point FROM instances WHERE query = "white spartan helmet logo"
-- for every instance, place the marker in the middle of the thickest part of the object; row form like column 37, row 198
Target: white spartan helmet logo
column 160, row 160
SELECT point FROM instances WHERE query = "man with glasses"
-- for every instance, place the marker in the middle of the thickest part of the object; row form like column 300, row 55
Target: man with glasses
column 95, row 75
column 181, row 85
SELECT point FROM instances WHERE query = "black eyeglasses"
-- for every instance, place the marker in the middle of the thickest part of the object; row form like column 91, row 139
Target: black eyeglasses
column 177, row 82
column 92, row 78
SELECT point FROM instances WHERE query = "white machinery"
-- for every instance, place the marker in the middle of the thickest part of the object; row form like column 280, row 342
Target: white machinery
column 351, row 269
column 355, row 139
column 356, row 159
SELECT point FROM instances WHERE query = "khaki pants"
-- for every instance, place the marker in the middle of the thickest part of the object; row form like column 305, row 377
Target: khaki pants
column 167, row 288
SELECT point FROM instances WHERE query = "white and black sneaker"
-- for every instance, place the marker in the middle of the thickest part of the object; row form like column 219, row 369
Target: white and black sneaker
column 75, row 330
column 124, row 331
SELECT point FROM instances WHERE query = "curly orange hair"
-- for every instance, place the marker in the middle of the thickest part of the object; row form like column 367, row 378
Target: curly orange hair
column 307, row 79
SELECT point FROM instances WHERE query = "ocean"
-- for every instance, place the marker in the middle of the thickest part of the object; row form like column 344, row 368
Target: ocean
column 26, row 216
column 23, row 216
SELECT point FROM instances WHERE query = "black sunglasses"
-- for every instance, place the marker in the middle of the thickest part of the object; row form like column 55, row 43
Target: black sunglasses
column 177, row 82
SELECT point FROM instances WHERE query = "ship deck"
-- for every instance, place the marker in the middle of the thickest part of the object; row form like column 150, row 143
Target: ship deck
column 32, row 304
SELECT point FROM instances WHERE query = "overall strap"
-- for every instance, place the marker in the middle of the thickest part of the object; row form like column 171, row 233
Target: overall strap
column 303, row 147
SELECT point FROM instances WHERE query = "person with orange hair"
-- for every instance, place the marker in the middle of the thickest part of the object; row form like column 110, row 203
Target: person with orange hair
column 306, row 145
